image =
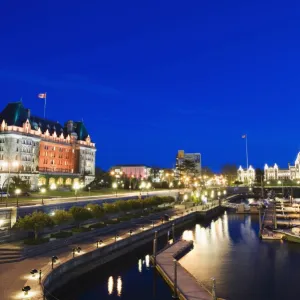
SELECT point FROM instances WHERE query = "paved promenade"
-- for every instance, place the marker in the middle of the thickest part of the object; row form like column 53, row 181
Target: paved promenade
column 13, row 276
column 188, row 287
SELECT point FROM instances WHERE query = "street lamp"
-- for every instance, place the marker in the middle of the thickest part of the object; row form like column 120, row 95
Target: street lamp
column 89, row 191
column 26, row 289
column 148, row 186
column 280, row 182
column 185, row 197
column 115, row 186
column 17, row 192
column 53, row 260
column 43, row 191
column 76, row 188
column 99, row 243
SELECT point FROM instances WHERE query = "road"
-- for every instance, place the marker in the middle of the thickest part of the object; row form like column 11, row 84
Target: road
column 105, row 198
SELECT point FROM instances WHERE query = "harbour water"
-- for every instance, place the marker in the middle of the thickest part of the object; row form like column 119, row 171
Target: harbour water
column 227, row 248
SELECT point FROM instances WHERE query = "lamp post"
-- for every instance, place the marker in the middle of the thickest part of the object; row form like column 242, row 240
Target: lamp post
column 115, row 186
column 89, row 191
column 148, row 186
column 76, row 188
column 280, row 182
column 17, row 192
column 43, row 191
column 53, row 260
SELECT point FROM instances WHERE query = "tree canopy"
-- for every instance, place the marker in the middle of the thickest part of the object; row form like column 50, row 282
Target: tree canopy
column 36, row 222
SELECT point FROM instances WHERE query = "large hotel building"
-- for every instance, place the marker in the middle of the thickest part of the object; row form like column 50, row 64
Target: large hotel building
column 44, row 152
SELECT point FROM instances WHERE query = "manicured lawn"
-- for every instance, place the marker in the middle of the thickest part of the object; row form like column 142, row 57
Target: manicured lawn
column 64, row 194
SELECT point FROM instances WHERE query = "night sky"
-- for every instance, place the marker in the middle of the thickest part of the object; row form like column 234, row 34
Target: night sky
column 151, row 77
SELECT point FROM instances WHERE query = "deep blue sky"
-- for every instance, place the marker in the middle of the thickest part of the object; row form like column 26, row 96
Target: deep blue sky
column 151, row 77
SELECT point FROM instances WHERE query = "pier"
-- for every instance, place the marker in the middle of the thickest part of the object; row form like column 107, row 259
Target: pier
column 175, row 275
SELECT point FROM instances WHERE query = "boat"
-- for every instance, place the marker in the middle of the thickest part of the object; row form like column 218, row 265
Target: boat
column 292, row 235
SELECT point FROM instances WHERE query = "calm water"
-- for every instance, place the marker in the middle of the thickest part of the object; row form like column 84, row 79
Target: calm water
column 228, row 249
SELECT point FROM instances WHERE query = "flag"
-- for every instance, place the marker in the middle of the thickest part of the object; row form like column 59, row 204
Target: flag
column 42, row 95
column 244, row 136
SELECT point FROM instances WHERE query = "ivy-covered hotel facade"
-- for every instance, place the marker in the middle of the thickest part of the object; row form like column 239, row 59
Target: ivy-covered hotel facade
column 44, row 152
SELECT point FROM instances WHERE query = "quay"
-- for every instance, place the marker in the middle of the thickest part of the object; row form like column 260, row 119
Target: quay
column 184, row 285
column 58, row 266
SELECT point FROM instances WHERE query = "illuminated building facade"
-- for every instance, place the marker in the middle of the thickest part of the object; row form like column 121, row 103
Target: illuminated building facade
column 246, row 175
column 42, row 151
column 291, row 173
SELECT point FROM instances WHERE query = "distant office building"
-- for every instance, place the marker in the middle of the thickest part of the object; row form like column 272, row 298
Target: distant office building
column 137, row 171
column 44, row 152
column 246, row 175
column 194, row 157
column 291, row 173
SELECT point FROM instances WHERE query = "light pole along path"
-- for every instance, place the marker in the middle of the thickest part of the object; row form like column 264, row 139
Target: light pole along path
column 14, row 279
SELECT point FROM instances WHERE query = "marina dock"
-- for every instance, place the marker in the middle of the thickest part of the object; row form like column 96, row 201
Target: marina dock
column 187, row 286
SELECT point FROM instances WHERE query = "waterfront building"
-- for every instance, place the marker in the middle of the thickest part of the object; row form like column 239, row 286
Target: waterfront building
column 44, row 152
column 193, row 157
column 137, row 171
column 291, row 173
column 246, row 175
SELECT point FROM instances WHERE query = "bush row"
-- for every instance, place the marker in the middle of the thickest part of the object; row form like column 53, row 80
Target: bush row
column 37, row 221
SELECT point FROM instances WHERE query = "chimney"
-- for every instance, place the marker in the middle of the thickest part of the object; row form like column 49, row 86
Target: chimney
column 70, row 126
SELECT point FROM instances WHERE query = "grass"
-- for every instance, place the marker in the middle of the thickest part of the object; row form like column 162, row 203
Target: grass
column 64, row 194
column 38, row 241
column 61, row 234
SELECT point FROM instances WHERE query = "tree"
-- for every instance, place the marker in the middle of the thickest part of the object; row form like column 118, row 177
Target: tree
column 37, row 221
column 17, row 183
column 229, row 170
column 62, row 217
column 96, row 210
column 259, row 175
column 206, row 171
column 80, row 214
column 102, row 180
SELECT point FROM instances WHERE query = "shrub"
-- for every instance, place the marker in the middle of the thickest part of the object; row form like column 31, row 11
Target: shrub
column 97, row 225
column 37, row 241
column 61, row 234
column 123, row 205
column 112, row 221
column 80, row 229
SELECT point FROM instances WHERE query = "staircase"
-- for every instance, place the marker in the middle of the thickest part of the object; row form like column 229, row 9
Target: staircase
column 10, row 254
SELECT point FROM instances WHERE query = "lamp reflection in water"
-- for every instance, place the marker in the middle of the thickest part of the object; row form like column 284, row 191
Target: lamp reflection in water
column 140, row 265
column 119, row 286
column 147, row 261
column 110, row 285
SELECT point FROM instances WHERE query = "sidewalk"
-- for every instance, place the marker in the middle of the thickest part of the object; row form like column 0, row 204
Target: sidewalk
column 14, row 276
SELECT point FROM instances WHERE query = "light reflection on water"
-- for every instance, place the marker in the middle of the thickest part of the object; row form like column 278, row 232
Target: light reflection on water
column 110, row 285
column 244, row 266
column 119, row 286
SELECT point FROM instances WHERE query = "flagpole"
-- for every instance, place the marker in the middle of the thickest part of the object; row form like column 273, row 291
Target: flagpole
column 247, row 151
column 45, row 106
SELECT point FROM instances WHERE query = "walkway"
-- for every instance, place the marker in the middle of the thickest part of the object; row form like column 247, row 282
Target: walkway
column 13, row 276
column 187, row 285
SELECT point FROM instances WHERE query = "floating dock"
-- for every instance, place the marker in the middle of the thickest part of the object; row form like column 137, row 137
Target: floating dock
column 187, row 286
